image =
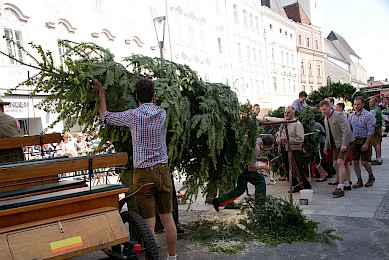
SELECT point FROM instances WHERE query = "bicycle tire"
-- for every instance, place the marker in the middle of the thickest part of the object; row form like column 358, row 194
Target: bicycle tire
column 140, row 233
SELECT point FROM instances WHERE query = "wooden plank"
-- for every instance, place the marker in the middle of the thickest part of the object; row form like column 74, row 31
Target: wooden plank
column 45, row 168
column 99, row 228
column 20, row 141
column 26, row 214
column 56, row 219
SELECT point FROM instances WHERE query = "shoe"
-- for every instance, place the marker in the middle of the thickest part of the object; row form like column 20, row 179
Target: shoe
column 376, row 162
column 347, row 187
column 318, row 180
column 216, row 204
column 333, row 183
column 358, row 184
column 370, row 182
column 272, row 181
column 232, row 205
column 338, row 192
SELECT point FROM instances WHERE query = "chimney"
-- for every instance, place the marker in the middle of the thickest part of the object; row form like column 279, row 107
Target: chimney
column 266, row 3
column 371, row 79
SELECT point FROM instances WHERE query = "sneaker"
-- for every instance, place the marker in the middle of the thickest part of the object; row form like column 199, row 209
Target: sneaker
column 347, row 187
column 370, row 182
column 358, row 184
column 376, row 162
column 272, row 181
column 338, row 192
column 216, row 204
column 232, row 205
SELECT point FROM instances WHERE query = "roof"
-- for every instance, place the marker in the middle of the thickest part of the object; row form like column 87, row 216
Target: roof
column 276, row 7
column 296, row 12
column 377, row 83
column 332, row 51
column 333, row 36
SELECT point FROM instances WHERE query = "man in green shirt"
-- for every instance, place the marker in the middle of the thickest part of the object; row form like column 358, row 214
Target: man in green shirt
column 377, row 138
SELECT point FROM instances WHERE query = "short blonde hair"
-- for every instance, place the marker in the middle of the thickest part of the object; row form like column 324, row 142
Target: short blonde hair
column 67, row 135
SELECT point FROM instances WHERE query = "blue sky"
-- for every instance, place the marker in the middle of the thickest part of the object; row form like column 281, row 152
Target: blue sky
column 365, row 26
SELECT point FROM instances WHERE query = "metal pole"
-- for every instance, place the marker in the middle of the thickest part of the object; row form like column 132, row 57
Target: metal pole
column 160, row 45
column 290, row 165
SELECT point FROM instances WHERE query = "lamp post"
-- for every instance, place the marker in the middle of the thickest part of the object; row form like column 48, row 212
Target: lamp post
column 159, row 25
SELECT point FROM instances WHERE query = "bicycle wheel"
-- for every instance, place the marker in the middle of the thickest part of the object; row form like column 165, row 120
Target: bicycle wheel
column 139, row 234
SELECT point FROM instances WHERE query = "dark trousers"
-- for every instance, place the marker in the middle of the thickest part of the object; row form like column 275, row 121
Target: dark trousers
column 299, row 173
column 253, row 177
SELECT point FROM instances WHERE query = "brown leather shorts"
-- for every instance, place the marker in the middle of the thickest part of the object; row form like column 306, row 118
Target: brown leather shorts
column 159, row 194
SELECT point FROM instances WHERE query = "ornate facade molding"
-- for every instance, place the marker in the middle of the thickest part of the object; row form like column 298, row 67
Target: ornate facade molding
column 108, row 34
column 190, row 15
column 13, row 8
column 67, row 24
column 137, row 41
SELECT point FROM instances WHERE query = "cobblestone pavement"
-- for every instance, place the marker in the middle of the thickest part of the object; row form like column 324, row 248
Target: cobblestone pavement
column 361, row 218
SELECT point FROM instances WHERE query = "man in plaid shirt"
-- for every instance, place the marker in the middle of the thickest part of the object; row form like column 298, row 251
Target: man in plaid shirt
column 362, row 126
column 148, row 131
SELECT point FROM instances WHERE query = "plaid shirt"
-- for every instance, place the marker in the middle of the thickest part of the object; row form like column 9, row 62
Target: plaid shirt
column 362, row 125
column 148, row 132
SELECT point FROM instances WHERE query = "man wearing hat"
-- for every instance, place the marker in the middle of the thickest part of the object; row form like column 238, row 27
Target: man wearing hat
column 9, row 127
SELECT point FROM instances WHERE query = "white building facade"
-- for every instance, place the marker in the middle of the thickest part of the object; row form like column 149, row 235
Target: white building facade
column 249, row 45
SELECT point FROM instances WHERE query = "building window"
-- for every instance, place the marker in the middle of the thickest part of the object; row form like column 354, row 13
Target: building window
column 289, row 89
column 14, row 48
column 282, row 57
column 329, row 80
column 251, row 20
column 318, row 70
column 280, row 30
column 257, row 23
column 217, row 8
column 292, row 60
column 271, row 26
column 254, row 55
column 311, row 89
column 245, row 17
column 62, row 54
column 260, row 57
column 248, row 54
column 302, row 68
column 275, row 83
column 286, row 33
column 294, row 86
column 220, row 45
column 290, row 35
column 303, row 87
column 203, row 40
column 236, row 14
column 192, row 38
column 284, row 81
column 310, row 69
column 239, row 50
column 317, row 44
column 272, row 55
column 300, row 40
column 308, row 42
column 287, row 59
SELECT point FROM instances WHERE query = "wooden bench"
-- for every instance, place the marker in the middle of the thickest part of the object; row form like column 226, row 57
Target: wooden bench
column 41, row 218
column 7, row 184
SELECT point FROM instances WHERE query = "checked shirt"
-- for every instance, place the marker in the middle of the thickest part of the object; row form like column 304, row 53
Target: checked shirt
column 148, row 132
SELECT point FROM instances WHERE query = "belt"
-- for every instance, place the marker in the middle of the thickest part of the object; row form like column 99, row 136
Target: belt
column 157, row 166
column 360, row 138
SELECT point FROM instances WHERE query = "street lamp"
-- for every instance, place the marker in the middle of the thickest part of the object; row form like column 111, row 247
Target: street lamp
column 159, row 25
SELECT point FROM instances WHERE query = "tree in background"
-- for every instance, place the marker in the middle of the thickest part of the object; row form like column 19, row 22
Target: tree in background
column 210, row 136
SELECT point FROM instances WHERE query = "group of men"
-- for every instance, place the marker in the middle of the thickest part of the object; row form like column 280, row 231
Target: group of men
column 350, row 136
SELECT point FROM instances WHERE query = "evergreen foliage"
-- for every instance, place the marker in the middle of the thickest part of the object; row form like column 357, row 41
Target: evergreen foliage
column 210, row 136
column 336, row 90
